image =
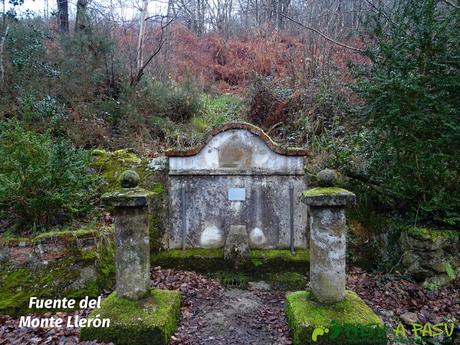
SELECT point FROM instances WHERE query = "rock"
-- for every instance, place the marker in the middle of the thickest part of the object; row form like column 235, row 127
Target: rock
column 261, row 285
column 387, row 313
column 327, row 178
column 437, row 281
column 158, row 164
column 237, row 245
column 129, row 179
column 409, row 318
column 429, row 254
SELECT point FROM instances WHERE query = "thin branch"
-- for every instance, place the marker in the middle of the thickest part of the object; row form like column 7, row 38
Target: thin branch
column 135, row 80
column 452, row 4
column 322, row 35
column 382, row 12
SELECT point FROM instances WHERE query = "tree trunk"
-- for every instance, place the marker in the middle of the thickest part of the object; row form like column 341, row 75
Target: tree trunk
column 81, row 21
column 2, row 48
column 140, row 42
column 63, row 16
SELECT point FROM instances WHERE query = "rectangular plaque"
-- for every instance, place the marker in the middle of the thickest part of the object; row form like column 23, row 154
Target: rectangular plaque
column 237, row 194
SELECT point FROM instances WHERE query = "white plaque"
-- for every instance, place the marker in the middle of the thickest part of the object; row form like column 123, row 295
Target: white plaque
column 237, row 194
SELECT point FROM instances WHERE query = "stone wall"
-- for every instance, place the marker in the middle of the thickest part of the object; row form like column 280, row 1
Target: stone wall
column 153, row 178
column 46, row 248
column 431, row 257
column 209, row 214
column 71, row 264
column 239, row 176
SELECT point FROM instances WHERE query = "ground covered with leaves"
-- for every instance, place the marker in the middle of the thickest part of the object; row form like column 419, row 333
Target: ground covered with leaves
column 214, row 314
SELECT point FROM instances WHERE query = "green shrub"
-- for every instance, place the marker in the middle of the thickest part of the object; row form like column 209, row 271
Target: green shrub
column 412, row 108
column 177, row 103
column 42, row 183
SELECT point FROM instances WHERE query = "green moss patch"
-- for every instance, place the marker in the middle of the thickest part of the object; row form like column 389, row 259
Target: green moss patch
column 325, row 191
column 18, row 285
column 111, row 165
column 212, row 260
column 78, row 274
column 78, row 233
column 347, row 322
column 287, row 280
column 432, row 234
column 149, row 321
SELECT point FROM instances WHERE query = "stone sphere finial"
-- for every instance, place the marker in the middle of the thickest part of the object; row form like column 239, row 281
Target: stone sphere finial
column 327, row 178
column 129, row 179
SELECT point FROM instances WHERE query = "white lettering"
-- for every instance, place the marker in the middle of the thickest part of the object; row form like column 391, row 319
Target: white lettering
column 62, row 303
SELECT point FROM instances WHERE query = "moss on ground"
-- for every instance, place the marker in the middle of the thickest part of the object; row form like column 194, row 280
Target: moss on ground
column 304, row 315
column 212, row 260
column 287, row 280
column 149, row 321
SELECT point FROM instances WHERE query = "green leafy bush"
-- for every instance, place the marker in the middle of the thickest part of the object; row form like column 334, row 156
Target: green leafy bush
column 177, row 103
column 412, row 108
column 42, row 183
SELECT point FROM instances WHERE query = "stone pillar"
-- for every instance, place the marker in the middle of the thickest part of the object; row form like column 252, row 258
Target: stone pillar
column 327, row 238
column 132, row 249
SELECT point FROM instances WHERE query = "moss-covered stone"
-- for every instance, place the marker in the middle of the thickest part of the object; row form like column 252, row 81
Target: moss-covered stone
column 158, row 216
column 77, row 274
column 212, row 260
column 325, row 191
column 128, row 197
column 305, row 315
column 18, row 285
column 111, row 166
column 433, row 234
column 430, row 256
column 328, row 196
column 149, row 321
column 75, row 233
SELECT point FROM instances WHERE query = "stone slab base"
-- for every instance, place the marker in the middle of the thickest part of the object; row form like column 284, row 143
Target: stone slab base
column 348, row 322
column 212, row 260
column 149, row 321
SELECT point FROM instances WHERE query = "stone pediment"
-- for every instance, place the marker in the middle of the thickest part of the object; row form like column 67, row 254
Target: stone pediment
column 237, row 149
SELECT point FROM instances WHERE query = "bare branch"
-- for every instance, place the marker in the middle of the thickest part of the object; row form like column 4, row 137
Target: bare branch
column 452, row 4
column 322, row 35
column 136, row 79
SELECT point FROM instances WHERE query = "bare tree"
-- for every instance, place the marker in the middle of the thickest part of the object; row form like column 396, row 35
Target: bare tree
column 2, row 49
column 63, row 16
column 140, row 42
column 81, row 21
column 136, row 78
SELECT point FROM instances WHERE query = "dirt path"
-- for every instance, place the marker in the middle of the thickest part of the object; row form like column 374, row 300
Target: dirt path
column 211, row 314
